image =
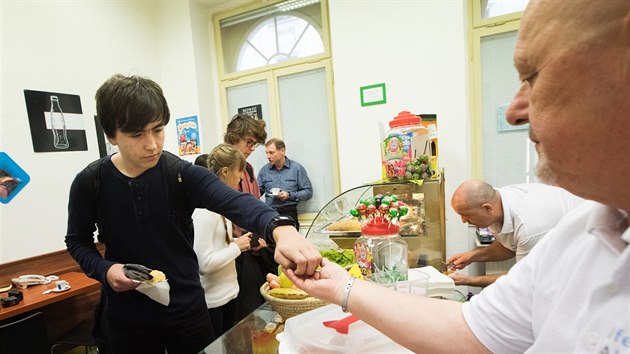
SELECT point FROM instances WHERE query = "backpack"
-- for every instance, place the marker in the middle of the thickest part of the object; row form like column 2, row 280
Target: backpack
column 179, row 207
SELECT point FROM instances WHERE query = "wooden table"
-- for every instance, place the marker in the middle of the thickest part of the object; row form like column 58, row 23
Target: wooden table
column 35, row 298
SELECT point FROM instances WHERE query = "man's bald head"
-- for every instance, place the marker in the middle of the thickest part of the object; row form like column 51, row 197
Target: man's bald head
column 477, row 203
column 473, row 193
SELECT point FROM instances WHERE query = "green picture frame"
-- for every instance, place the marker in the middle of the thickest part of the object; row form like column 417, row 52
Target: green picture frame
column 373, row 94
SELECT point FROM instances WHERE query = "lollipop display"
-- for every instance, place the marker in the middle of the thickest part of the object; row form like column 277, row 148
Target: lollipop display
column 380, row 249
column 379, row 209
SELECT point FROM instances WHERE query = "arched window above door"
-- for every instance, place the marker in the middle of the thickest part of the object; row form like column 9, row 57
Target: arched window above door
column 278, row 39
column 280, row 34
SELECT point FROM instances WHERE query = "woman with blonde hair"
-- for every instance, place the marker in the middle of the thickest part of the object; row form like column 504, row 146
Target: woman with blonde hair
column 215, row 246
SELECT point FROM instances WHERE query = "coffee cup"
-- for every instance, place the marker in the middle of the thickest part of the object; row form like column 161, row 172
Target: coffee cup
column 275, row 191
column 62, row 285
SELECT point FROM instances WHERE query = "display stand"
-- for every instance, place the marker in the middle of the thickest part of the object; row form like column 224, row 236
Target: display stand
column 423, row 229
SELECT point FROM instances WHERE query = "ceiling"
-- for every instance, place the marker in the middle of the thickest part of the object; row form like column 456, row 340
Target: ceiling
column 224, row 5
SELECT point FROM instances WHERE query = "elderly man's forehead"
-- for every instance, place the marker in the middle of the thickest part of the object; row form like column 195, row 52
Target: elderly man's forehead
column 571, row 22
column 540, row 32
column 534, row 21
column 551, row 29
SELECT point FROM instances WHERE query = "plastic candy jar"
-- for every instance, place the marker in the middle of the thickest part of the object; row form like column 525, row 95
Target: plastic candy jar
column 408, row 139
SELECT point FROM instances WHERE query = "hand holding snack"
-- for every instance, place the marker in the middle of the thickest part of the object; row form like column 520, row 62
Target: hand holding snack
column 152, row 282
column 141, row 273
column 117, row 279
column 137, row 272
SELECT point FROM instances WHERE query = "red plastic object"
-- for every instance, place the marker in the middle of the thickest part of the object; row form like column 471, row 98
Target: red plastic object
column 379, row 226
column 341, row 325
column 405, row 118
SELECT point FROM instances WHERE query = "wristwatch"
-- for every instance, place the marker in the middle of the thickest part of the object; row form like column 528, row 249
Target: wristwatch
column 280, row 220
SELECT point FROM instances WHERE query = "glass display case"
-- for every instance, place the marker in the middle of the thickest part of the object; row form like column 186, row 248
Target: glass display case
column 423, row 227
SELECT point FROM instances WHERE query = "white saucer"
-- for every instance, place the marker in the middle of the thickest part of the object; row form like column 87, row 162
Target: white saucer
column 55, row 290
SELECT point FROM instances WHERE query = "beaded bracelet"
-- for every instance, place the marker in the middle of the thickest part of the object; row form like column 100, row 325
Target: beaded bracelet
column 346, row 294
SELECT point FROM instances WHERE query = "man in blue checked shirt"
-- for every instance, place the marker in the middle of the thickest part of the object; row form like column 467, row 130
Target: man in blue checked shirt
column 283, row 182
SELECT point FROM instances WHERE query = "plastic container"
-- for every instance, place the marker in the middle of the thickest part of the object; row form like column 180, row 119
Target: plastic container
column 389, row 256
column 305, row 333
column 406, row 140
column 374, row 233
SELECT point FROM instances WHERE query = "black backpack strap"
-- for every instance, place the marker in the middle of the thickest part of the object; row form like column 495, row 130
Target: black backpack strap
column 91, row 185
column 176, row 193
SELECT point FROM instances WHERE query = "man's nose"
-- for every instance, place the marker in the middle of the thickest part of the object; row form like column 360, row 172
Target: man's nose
column 151, row 142
column 518, row 111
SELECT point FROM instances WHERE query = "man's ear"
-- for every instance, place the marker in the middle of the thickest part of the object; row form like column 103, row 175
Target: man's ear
column 112, row 140
column 487, row 208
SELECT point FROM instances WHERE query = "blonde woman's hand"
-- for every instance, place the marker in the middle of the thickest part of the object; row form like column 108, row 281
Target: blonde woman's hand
column 243, row 242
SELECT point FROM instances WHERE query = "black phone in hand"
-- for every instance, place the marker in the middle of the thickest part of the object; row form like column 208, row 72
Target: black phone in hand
column 254, row 241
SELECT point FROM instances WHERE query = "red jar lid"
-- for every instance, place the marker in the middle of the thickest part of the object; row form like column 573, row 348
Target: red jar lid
column 405, row 118
column 378, row 227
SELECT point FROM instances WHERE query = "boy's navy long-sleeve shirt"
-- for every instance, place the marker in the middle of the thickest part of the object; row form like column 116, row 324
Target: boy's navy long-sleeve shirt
column 138, row 227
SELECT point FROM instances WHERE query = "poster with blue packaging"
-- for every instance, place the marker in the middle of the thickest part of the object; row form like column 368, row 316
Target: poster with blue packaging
column 188, row 136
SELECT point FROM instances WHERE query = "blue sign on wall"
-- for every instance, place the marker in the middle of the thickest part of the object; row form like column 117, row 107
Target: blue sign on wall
column 12, row 178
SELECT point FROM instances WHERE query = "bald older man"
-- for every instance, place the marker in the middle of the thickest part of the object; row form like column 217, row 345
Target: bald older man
column 517, row 215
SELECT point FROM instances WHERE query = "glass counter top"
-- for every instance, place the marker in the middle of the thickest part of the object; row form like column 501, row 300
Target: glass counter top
column 248, row 336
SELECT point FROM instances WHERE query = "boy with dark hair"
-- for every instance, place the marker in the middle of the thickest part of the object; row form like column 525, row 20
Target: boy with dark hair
column 138, row 224
column 242, row 127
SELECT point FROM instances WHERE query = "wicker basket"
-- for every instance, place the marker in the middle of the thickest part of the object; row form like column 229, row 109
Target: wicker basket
column 289, row 308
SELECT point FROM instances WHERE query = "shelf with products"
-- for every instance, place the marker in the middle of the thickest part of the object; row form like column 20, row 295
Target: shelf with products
column 423, row 228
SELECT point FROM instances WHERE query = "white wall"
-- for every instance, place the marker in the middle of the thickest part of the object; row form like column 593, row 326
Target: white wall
column 187, row 79
column 206, row 70
column 416, row 47
column 73, row 47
